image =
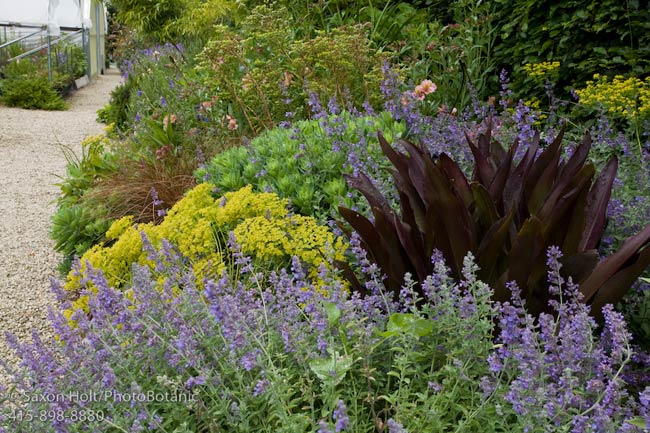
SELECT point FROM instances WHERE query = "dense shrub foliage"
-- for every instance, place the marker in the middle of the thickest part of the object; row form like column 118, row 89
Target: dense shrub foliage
column 590, row 37
column 31, row 93
column 77, row 225
column 252, row 69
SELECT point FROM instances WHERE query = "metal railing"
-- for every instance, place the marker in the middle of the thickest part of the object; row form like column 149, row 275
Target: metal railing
column 6, row 44
column 49, row 46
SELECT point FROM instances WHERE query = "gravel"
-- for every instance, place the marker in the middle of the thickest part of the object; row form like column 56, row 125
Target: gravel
column 32, row 160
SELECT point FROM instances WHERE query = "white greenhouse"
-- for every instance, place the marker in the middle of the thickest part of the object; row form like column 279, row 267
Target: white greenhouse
column 39, row 25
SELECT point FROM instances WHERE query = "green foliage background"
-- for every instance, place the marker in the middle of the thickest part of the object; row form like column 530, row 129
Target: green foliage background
column 586, row 37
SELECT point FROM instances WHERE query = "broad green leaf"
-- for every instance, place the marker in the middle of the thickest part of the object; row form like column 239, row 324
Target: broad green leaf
column 333, row 314
column 332, row 370
column 409, row 324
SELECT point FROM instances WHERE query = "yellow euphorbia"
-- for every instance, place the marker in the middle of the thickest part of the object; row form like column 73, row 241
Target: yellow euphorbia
column 538, row 70
column 294, row 235
column 625, row 97
column 198, row 227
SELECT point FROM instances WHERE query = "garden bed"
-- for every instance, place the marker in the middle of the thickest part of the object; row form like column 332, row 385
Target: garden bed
column 349, row 221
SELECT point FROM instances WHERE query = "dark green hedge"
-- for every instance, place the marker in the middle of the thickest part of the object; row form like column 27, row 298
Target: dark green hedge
column 586, row 37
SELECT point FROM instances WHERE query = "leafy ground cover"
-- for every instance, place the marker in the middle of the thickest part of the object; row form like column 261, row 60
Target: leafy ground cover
column 425, row 244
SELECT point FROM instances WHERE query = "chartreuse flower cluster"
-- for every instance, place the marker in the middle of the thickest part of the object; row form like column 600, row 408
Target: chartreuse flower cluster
column 625, row 97
column 539, row 70
column 198, row 226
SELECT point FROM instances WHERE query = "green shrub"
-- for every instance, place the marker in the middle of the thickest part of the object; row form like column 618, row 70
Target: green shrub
column 69, row 61
column 76, row 229
column 163, row 103
column 117, row 110
column 32, row 93
column 152, row 19
column 261, row 71
column 305, row 163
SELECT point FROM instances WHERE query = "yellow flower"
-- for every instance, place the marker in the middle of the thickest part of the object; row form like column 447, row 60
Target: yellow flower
column 539, row 70
column 119, row 227
column 625, row 97
column 198, row 225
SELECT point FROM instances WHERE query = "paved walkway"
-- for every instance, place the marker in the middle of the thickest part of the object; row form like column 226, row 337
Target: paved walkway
column 31, row 159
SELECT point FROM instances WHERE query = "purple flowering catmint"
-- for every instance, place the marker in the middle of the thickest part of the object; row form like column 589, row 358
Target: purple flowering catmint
column 395, row 427
column 155, row 422
column 109, row 378
column 408, row 296
column 322, row 344
column 248, row 361
column 136, row 427
column 616, row 337
column 317, row 110
column 260, row 387
column 332, row 106
column 323, row 427
column 390, row 89
column 340, row 417
column 556, row 364
column 367, row 108
column 506, row 93
column 195, row 381
column 152, row 253
column 644, row 399
column 240, row 258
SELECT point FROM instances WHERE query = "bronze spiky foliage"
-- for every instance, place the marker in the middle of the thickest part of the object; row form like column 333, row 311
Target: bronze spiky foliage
column 508, row 214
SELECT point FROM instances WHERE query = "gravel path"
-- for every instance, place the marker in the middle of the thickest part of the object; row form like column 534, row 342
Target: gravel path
column 31, row 160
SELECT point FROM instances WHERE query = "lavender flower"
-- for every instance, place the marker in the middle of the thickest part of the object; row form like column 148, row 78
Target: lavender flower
column 395, row 427
column 195, row 381
column 555, row 363
column 341, row 417
column 260, row 387
column 323, row 427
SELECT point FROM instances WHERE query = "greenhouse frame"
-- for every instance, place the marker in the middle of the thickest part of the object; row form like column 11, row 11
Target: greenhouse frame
column 39, row 25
